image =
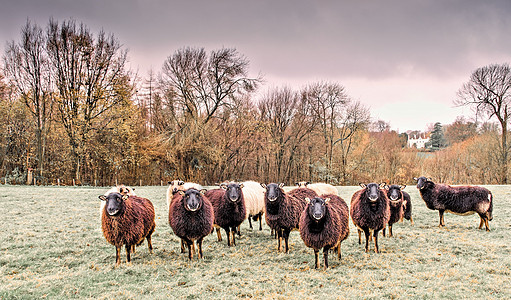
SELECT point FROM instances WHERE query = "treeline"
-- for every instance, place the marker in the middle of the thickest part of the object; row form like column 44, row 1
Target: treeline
column 71, row 111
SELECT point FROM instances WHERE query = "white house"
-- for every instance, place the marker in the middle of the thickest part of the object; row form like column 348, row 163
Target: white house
column 418, row 141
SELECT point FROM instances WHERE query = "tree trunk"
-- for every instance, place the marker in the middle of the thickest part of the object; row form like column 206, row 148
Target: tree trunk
column 503, row 170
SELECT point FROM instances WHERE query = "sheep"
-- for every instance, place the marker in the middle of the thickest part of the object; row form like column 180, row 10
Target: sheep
column 127, row 220
column 370, row 212
column 396, row 204
column 121, row 189
column 282, row 210
column 460, row 200
column 319, row 188
column 324, row 223
column 229, row 207
column 191, row 218
column 407, row 206
column 179, row 185
column 253, row 193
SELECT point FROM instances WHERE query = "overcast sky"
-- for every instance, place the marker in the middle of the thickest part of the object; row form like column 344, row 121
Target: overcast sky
column 405, row 60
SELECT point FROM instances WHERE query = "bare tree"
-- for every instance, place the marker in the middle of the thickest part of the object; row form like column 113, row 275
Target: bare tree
column 355, row 119
column 90, row 77
column 489, row 92
column 328, row 102
column 26, row 65
column 203, row 84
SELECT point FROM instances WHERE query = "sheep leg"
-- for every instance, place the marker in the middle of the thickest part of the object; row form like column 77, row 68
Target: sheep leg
column 376, row 242
column 441, row 214
column 325, row 256
column 250, row 223
column 133, row 249
column 359, row 236
column 339, row 251
column 486, row 225
column 228, row 232
column 183, row 246
column 481, row 223
column 234, row 236
column 286, row 238
column 128, row 253
column 411, row 220
column 260, row 221
column 218, row 234
column 383, row 231
column 117, row 255
column 390, row 230
column 238, row 230
column 189, row 243
column 316, row 257
column 366, row 232
column 199, row 246
column 279, row 235
column 149, row 244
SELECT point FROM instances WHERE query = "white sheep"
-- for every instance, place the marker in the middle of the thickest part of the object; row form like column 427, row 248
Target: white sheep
column 253, row 193
column 319, row 188
column 179, row 185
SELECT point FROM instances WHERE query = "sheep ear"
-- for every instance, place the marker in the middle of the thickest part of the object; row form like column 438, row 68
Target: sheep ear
column 223, row 186
column 181, row 193
column 102, row 197
column 241, row 185
column 124, row 197
column 429, row 179
column 387, row 187
column 263, row 185
column 307, row 183
column 297, row 183
column 181, row 183
column 362, row 185
column 402, row 187
column 307, row 200
column 281, row 185
column 382, row 185
column 416, row 179
column 327, row 200
column 202, row 192
column 169, row 182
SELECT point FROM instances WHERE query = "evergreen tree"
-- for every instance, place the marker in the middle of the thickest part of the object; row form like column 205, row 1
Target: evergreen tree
column 437, row 139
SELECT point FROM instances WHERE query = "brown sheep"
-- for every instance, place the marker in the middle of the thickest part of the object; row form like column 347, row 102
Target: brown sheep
column 191, row 218
column 462, row 200
column 370, row 212
column 324, row 223
column 127, row 220
column 282, row 210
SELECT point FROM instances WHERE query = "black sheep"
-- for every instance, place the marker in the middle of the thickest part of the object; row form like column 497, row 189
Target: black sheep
column 461, row 200
column 229, row 206
column 127, row 220
column 370, row 212
column 191, row 218
column 324, row 223
column 282, row 210
column 396, row 204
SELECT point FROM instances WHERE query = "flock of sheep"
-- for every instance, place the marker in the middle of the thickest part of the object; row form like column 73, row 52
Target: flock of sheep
column 316, row 210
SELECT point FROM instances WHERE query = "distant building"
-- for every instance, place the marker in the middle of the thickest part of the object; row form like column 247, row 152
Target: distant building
column 418, row 141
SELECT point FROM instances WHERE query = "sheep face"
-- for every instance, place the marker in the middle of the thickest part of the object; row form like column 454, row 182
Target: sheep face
column 372, row 191
column 274, row 192
column 192, row 199
column 423, row 182
column 114, row 203
column 233, row 191
column 394, row 192
column 302, row 184
column 176, row 185
column 316, row 208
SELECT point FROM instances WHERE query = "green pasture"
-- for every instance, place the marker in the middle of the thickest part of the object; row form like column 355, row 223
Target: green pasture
column 52, row 246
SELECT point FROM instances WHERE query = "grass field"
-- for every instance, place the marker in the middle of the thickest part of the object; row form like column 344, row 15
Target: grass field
column 51, row 246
